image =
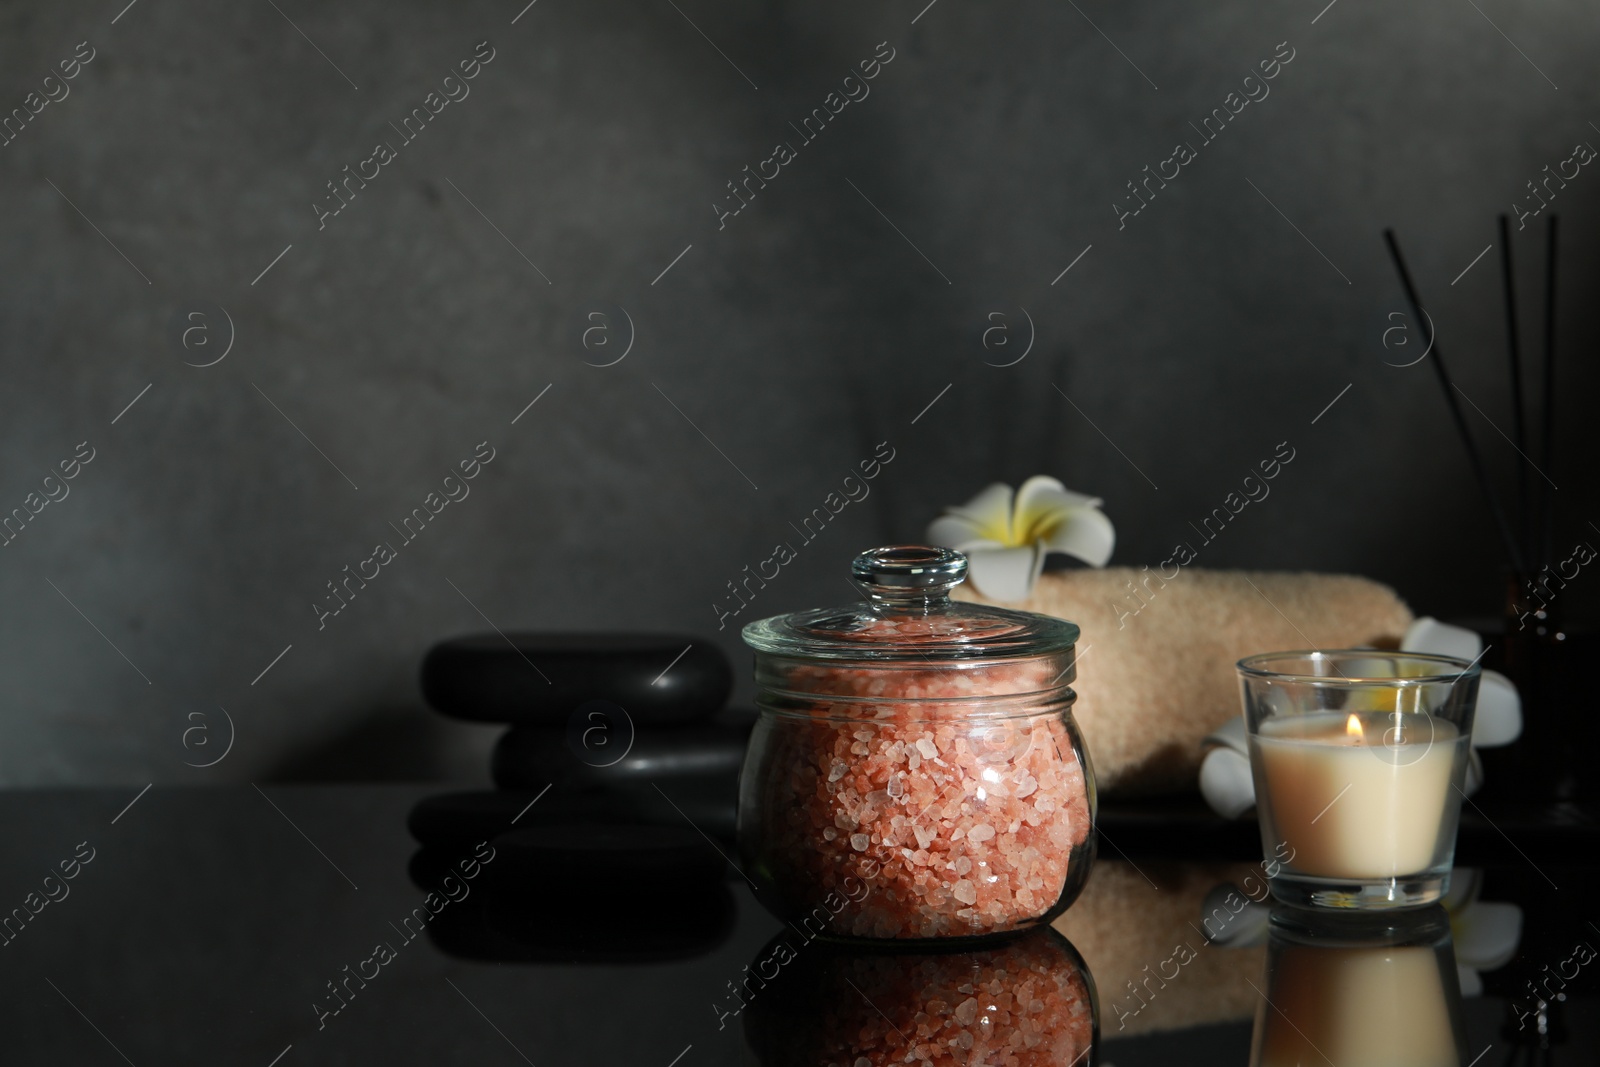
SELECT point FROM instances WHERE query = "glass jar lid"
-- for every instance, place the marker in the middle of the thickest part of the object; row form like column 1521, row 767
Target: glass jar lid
column 908, row 617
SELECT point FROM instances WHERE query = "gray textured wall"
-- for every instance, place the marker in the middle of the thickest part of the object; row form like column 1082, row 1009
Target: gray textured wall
column 409, row 328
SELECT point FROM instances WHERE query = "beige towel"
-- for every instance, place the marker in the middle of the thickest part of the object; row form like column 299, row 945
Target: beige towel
column 1155, row 662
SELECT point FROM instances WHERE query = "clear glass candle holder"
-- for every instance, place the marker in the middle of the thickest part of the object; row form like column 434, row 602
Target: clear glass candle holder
column 1359, row 759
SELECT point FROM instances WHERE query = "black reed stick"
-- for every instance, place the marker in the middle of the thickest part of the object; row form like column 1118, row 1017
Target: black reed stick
column 1547, row 416
column 1518, row 418
column 1478, row 471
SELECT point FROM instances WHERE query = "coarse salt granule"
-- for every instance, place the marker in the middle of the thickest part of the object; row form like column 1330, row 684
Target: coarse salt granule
column 957, row 822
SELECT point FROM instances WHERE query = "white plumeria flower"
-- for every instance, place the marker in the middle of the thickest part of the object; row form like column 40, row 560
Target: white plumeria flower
column 1006, row 535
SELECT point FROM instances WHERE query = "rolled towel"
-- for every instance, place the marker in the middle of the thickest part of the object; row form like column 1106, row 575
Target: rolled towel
column 1156, row 660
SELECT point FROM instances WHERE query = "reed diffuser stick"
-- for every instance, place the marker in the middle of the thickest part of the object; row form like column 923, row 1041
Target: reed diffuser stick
column 1507, row 539
column 1547, row 415
column 1519, row 422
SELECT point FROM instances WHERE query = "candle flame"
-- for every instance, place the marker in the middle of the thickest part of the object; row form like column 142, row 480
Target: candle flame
column 1352, row 727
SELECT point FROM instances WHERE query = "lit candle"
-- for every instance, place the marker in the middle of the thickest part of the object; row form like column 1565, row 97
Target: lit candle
column 1362, row 795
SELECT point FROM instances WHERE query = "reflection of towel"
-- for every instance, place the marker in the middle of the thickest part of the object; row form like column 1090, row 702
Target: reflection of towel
column 1225, row 772
column 1152, row 965
column 1156, row 670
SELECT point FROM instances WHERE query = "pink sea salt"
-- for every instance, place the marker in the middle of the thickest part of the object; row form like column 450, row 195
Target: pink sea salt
column 955, row 820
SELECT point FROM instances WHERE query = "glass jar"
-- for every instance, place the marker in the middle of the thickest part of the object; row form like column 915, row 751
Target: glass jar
column 915, row 771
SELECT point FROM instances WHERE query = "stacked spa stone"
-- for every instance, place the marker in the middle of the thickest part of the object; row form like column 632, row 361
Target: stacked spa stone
column 619, row 765
column 611, row 722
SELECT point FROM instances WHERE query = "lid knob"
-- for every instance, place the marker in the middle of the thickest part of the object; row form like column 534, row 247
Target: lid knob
column 904, row 575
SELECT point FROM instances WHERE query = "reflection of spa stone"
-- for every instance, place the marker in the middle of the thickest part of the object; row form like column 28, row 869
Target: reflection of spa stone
column 567, row 891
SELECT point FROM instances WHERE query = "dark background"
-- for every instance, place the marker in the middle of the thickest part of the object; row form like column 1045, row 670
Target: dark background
column 796, row 339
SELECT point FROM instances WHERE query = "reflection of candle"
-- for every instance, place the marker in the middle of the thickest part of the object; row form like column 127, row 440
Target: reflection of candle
column 1356, row 1006
column 1357, row 796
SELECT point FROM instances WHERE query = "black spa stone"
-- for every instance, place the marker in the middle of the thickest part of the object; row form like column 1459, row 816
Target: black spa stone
column 540, row 679
column 602, row 750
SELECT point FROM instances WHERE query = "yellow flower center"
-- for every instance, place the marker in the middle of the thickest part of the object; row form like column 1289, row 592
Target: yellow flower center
column 1039, row 526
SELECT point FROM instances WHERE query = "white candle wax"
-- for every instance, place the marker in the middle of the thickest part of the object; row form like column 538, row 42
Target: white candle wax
column 1357, row 796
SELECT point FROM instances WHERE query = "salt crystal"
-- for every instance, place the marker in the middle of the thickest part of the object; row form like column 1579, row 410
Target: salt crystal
column 967, row 1011
column 838, row 781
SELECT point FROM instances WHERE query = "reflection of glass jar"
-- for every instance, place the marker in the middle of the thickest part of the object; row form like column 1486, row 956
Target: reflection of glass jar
column 1347, row 988
column 1029, row 1002
column 915, row 772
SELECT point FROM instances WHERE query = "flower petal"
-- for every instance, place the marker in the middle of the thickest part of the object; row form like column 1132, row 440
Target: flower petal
column 1085, row 533
column 990, row 510
column 1498, row 720
column 1042, row 492
column 1428, row 634
column 1005, row 573
column 958, row 531
column 1226, row 783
